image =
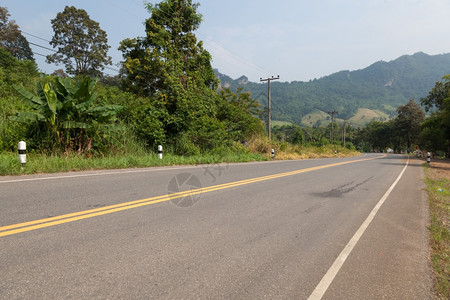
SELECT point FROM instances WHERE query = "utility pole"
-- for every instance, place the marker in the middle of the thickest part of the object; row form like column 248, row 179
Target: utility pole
column 345, row 124
column 332, row 113
column 269, row 112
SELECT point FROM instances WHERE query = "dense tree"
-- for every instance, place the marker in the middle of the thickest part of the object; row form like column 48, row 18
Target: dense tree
column 437, row 96
column 376, row 136
column 238, row 111
column 289, row 133
column 410, row 118
column 111, row 80
column 16, row 70
column 171, row 66
column 147, row 118
column 13, row 71
column 433, row 135
column 169, row 54
column 21, row 48
column 12, row 39
column 400, row 133
column 82, row 46
column 316, row 135
column 438, row 100
column 9, row 30
column 59, row 73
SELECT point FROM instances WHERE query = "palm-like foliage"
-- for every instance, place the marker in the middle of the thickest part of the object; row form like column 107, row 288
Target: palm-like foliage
column 65, row 114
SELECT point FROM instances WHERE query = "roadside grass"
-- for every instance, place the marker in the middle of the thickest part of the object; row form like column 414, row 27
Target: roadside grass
column 258, row 149
column 287, row 151
column 438, row 189
column 39, row 163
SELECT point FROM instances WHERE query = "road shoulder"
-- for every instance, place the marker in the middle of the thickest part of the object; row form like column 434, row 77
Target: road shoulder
column 391, row 261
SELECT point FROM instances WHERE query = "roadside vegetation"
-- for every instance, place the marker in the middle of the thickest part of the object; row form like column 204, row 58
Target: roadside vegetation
column 168, row 94
column 257, row 149
column 438, row 189
column 165, row 94
column 40, row 163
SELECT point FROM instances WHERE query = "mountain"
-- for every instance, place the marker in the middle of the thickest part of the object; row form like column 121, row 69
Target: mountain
column 379, row 88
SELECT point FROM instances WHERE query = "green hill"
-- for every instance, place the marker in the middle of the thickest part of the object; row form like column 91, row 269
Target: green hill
column 381, row 88
column 365, row 115
column 316, row 118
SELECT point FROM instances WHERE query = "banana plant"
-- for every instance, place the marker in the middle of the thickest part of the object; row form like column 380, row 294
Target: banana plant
column 44, row 108
column 68, row 110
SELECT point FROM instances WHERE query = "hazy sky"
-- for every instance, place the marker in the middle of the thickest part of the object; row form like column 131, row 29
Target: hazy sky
column 296, row 39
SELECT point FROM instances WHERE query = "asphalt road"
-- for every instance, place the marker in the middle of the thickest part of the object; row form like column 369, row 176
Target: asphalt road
column 275, row 230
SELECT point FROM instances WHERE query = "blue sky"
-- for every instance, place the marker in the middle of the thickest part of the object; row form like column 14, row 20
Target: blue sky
column 296, row 39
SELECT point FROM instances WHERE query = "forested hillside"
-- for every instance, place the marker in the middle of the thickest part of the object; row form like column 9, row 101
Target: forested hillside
column 168, row 95
column 382, row 86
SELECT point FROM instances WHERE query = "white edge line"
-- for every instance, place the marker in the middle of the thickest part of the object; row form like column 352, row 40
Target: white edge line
column 328, row 278
column 151, row 169
column 87, row 175
column 167, row 168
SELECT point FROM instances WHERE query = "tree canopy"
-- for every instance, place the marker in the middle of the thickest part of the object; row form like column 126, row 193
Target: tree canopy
column 11, row 38
column 171, row 66
column 167, row 93
column 410, row 118
column 82, row 46
column 438, row 126
column 168, row 57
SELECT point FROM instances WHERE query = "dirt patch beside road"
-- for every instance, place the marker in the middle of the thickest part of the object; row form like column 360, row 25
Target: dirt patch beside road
column 441, row 168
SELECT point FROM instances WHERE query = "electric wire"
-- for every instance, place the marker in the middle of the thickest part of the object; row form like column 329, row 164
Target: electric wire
column 241, row 60
column 274, row 103
column 238, row 58
column 46, row 48
column 35, row 36
column 53, row 50
column 212, row 43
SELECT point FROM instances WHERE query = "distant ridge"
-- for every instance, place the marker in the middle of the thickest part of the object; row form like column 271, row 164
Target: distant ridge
column 383, row 86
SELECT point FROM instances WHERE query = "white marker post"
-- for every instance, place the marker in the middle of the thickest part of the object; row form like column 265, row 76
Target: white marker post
column 428, row 158
column 22, row 152
column 159, row 151
column 273, row 153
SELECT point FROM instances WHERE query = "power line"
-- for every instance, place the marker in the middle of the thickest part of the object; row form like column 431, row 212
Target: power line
column 53, row 50
column 46, row 48
column 236, row 57
column 112, row 69
column 40, row 54
column 35, row 36
column 50, row 49
column 35, row 53
column 241, row 60
column 113, row 4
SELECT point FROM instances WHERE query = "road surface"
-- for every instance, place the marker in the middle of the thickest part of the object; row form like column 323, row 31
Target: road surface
column 342, row 228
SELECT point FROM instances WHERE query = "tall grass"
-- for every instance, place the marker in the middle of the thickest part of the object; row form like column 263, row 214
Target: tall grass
column 39, row 163
column 287, row 151
column 133, row 155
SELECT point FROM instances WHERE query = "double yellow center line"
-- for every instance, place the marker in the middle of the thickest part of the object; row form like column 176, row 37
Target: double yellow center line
column 52, row 221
